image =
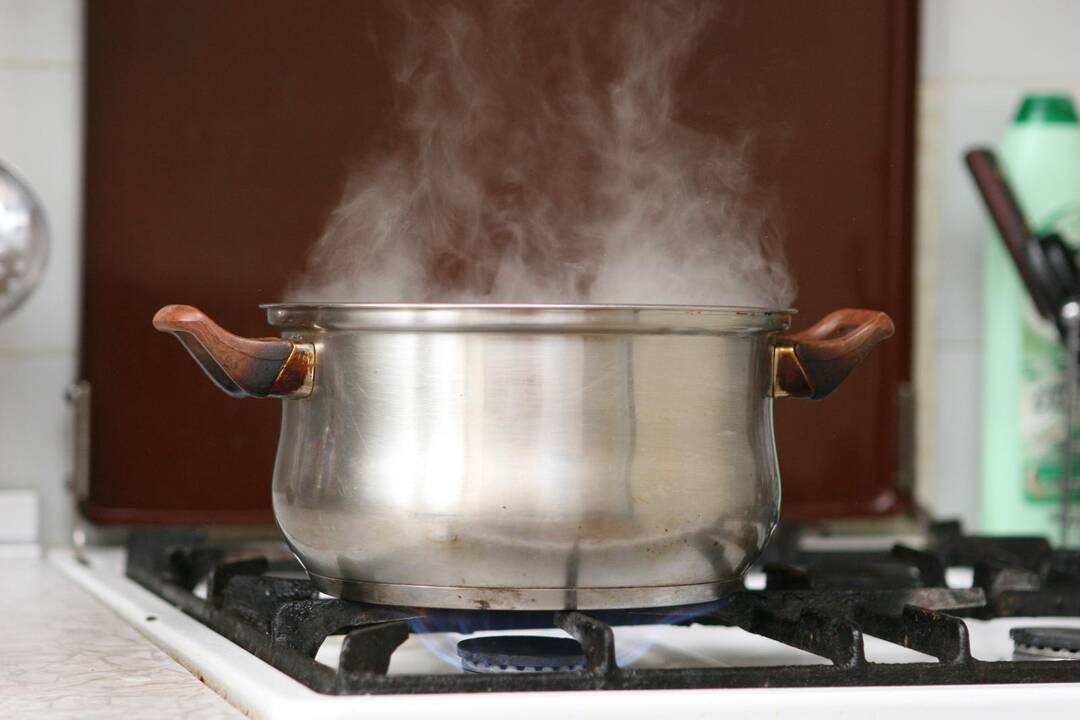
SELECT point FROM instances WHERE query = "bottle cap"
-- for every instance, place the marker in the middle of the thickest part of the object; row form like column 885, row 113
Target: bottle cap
column 1046, row 108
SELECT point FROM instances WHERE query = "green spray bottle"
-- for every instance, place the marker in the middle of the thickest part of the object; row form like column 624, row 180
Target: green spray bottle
column 1023, row 392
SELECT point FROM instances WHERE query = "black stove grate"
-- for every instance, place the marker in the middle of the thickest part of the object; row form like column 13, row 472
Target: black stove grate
column 822, row 603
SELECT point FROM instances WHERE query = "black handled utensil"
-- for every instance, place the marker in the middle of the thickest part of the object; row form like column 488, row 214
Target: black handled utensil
column 1046, row 264
column 1048, row 268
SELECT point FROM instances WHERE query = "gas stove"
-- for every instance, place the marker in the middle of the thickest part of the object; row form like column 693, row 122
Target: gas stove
column 819, row 629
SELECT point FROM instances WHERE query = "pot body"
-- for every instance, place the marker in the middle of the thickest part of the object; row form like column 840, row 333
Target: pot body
column 529, row 457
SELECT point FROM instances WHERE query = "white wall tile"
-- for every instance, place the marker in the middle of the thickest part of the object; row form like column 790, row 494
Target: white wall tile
column 928, row 209
column 33, row 417
column 40, row 138
column 19, row 516
column 40, row 31
column 958, row 434
column 933, row 38
column 40, row 135
column 36, row 433
column 1005, row 39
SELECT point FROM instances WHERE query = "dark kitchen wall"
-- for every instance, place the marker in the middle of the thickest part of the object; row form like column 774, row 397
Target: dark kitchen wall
column 218, row 138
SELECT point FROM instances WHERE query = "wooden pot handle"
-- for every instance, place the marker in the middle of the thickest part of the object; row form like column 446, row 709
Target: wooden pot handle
column 811, row 363
column 242, row 367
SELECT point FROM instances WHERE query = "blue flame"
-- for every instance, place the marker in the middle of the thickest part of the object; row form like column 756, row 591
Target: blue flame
column 441, row 633
column 442, row 645
column 627, row 651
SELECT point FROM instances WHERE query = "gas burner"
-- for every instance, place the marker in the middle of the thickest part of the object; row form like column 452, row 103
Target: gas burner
column 520, row 653
column 1049, row 642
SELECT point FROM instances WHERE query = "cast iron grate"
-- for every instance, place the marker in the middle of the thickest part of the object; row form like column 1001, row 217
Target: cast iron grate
column 823, row 604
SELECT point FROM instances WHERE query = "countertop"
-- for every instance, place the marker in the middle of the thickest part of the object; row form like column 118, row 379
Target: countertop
column 65, row 655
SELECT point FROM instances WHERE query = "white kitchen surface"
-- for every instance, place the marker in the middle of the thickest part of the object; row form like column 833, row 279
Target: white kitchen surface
column 65, row 655
column 263, row 692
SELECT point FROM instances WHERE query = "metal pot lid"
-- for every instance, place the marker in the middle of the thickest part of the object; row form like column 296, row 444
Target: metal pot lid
column 638, row 319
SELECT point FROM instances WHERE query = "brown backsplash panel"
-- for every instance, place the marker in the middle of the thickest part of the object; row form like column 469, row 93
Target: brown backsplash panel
column 218, row 138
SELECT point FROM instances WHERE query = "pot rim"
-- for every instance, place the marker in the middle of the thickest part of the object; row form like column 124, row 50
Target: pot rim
column 526, row 307
column 532, row 318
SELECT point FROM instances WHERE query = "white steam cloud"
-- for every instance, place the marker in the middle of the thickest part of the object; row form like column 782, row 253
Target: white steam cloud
column 543, row 160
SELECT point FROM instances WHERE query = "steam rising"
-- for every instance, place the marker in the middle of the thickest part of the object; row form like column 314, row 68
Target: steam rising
column 542, row 160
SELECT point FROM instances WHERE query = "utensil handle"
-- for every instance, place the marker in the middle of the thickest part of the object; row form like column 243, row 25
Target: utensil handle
column 999, row 199
column 811, row 363
column 242, row 367
column 1028, row 255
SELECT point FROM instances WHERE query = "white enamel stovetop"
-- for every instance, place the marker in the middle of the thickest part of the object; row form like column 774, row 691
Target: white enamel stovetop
column 260, row 691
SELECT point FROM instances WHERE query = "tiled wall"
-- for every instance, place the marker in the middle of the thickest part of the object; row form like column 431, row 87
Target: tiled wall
column 40, row 135
column 978, row 57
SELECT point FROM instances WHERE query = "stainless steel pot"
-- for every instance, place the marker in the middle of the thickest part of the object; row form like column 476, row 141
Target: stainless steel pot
column 529, row 456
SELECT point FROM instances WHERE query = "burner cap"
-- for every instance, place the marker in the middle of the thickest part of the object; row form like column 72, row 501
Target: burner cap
column 520, row 653
column 1056, row 642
